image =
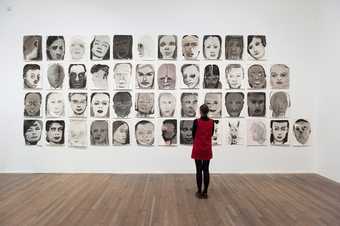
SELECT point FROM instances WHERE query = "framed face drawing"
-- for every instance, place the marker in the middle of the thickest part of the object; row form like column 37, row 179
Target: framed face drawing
column 214, row 102
column 189, row 105
column 216, row 138
column 100, row 105
column 279, row 76
column 146, row 47
column 55, row 76
column 145, row 133
column 55, row 48
column 168, row 132
column 279, row 104
column 256, row 104
column 99, row 76
column 302, row 132
column 166, row 105
column 78, row 48
column 145, row 76
column 77, row 76
column 55, row 132
column 122, row 104
column 122, row 47
column 234, row 76
column 32, row 132
column 190, row 47
column 32, row 76
column 122, row 74
column 144, row 105
column 190, row 76
column 256, row 47
column 100, row 48
column 211, row 78
column 212, row 47
column 166, row 77
column 55, row 105
column 77, row 133
column 234, row 104
column 167, row 47
column 279, row 131
column 257, row 77
column 235, row 132
column 78, row 104
column 120, row 133
column 32, row 104
column 32, row 48
column 233, row 47
column 186, row 132
column 99, row 133
column 257, row 132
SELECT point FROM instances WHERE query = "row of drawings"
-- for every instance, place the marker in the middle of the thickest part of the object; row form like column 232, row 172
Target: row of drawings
column 144, row 47
column 150, row 104
column 189, row 76
column 101, row 133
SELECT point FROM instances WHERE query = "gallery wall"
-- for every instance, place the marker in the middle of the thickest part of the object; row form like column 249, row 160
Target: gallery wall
column 291, row 29
column 328, row 101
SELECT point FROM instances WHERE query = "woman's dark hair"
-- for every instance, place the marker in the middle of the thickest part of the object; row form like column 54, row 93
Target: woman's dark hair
column 261, row 37
column 272, row 135
column 49, row 41
column 204, row 109
column 219, row 40
column 116, row 125
column 160, row 56
column 107, row 54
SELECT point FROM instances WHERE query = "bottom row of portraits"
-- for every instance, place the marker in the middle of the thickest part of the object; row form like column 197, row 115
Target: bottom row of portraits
column 229, row 131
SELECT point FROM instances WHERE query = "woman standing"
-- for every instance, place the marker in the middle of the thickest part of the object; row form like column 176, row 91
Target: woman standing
column 202, row 132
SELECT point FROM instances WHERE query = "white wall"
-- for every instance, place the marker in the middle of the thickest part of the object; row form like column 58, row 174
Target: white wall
column 328, row 103
column 292, row 31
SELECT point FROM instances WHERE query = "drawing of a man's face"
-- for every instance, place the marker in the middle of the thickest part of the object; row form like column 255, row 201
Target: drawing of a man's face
column 234, row 103
column 190, row 47
column 167, row 76
column 213, row 100
column 302, row 131
column 144, row 131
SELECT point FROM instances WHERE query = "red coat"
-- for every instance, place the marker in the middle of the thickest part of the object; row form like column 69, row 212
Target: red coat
column 201, row 149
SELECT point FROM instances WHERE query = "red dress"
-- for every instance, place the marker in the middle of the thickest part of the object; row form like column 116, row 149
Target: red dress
column 201, row 149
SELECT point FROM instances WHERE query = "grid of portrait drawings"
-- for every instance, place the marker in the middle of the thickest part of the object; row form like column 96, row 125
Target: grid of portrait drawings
column 146, row 90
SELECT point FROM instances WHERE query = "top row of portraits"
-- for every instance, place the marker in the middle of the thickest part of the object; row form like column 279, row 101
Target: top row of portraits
column 144, row 48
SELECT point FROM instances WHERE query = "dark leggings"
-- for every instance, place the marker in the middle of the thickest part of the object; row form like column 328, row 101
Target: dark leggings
column 202, row 167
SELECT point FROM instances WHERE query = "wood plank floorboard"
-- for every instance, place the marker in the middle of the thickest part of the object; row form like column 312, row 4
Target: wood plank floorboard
column 168, row 200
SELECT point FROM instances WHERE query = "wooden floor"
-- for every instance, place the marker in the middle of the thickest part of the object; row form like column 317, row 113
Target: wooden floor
column 145, row 200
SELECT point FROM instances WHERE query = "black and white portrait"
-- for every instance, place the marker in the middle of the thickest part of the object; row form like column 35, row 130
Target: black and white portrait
column 189, row 103
column 120, row 133
column 212, row 77
column 235, row 76
column 212, row 47
column 190, row 47
column 257, row 77
column 216, row 137
column 32, row 131
column 214, row 102
column 55, row 48
column 77, row 48
column 122, row 47
column 233, row 47
column 77, row 76
column 122, row 103
column 55, row 105
column 145, row 133
column 99, row 133
column 167, row 47
column 122, row 73
column 302, row 132
column 279, row 130
column 77, row 133
column 257, row 47
column 234, row 102
column 279, row 104
column 185, row 127
column 32, row 76
column 144, row 104
column 145, row 76
column 99, row 76
column 100, row 105
column 55, row 132
column 78, row 104
column 146, row 47
column 100, row 48
column 166, row 76
column 256, row 104
column 32, row 47
column 256, row 132
column 279, row 76
column 168, row 132
column 32, row 105
column 166, row 104
column 190, row 76
column 235, row 132
column 55, row 76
